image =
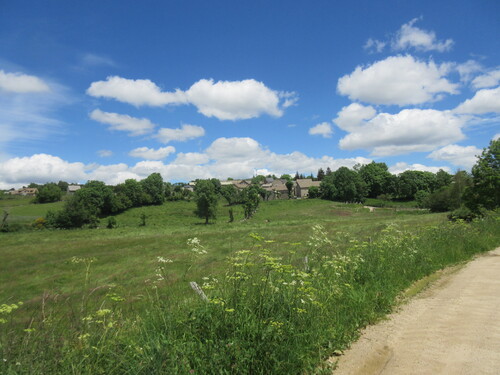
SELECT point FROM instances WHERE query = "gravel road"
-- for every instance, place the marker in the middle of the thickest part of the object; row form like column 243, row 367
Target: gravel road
column 453, row 327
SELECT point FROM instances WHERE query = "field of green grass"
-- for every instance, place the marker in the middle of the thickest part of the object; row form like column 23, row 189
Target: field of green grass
column 126, row 255
column 23, row 211
column 101, row 301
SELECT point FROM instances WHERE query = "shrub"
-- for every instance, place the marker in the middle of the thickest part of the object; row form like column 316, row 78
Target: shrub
column 39, row 223
column 462, row 213
column 111, row 222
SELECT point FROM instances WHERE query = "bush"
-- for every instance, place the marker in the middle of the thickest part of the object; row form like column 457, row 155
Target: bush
column 111, row 223
column 39, row 223
column 314, row 192
column 462, row 213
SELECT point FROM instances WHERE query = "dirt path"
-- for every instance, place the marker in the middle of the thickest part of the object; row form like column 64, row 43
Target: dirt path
column 451, row 328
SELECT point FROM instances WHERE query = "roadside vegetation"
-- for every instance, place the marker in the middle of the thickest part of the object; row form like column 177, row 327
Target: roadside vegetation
column 269, row 287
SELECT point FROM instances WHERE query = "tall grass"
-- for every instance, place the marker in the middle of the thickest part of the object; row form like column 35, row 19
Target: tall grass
column 266, row 314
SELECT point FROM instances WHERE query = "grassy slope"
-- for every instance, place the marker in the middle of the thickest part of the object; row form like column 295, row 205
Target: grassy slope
column 34, row 262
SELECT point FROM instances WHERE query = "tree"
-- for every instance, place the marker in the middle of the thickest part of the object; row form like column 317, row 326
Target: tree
column 443, row 178
column 321, row 174
column 485, row 189
column 231, row 194
column 409, row 182
column 449, row 197
column 63, row 185
column 313, row 192
column 251, row 199
column 327, row 188
column 132, row 189
column 153, row 186
column 48, row 193
column 348, row 186
column 259, row 179
column 289, row 186
column 376, row 177
column 206, row 200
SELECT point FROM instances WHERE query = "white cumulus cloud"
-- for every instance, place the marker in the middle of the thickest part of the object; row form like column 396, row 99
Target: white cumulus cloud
column 352, row 116
column 137, row 92
column 402, row 166
column 151, row 153
column 225, row 157
column 410, row 36
column 135, row 126
column 191, row 158
column 39, row 168
column 483, row 101
column 233, row 100
column 225, row 100
column 486, row 80
column 410, row 130
column 461, row 156
column 324, row 129
column 400, row 80
column 234, row 149
column 182, row 134
column 21, row 83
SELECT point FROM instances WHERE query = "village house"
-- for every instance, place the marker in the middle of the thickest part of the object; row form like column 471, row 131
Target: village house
column 72, row 189
column 277, row 188
column 25, row 192
column 302, row 187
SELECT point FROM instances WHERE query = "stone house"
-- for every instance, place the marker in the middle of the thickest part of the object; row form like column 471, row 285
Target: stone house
column 302, row 187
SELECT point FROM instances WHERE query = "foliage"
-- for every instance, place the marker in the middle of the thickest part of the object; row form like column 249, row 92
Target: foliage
column 251, row 199
column 449, row 197
column 206, row 200
column 289, row 186
column 153, row 187
column 422, row 198
column 485, row 189
column 313, row 192
column 320, row 175
column 48, row 193
column 40, row 223
column 269, row 312
column 443, row 179
column 132, row 190
column 409, row 182
column 231, row 194
column 462, row 213
column 142, row 217
column 111, row 222
column 343, row 185
column 376, row 177
column 259, row 179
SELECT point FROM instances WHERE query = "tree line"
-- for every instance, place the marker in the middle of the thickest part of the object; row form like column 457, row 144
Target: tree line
column 469, row 194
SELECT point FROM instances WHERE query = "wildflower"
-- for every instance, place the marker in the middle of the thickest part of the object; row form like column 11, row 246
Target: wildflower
column 103, row 312
column 196, row 247
column 164, row 260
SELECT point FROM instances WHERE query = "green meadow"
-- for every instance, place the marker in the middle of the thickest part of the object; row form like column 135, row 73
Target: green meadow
column 284, row 290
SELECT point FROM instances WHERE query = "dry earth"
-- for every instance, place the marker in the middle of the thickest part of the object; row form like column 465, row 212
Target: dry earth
column 451, row 328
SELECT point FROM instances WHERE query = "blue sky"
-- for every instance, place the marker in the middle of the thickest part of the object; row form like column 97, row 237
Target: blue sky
column 196, row 89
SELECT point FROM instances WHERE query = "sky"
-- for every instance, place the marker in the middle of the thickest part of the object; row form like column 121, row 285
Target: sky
column 112, row 90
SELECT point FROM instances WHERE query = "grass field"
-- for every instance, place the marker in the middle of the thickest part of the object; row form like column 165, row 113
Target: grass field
column 101, row 301
column 126, row 255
